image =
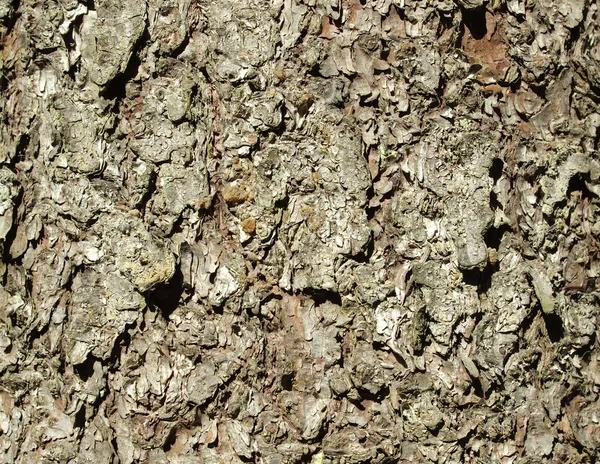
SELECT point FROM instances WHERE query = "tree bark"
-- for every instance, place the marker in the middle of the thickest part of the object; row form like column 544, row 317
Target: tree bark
column 326, row 231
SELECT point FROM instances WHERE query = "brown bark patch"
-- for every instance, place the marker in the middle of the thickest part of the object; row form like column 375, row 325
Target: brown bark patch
column 490, row 50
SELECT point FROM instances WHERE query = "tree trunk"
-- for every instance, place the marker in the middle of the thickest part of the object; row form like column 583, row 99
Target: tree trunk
column 279, row 231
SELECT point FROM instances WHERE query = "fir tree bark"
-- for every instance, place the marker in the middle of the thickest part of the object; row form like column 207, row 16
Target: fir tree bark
column 278, row 231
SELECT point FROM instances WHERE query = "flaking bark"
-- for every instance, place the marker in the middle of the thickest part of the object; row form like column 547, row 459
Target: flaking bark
column 277, row 231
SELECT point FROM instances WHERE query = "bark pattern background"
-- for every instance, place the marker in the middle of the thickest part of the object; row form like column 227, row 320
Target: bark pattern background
column 276, row 231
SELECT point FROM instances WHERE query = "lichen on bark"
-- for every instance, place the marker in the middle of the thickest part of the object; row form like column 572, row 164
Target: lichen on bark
column 326, row 231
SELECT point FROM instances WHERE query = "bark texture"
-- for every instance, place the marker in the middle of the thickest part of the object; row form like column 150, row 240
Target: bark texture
column 279, row 231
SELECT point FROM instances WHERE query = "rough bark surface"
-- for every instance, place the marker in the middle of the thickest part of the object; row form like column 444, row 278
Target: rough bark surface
column 278, row 231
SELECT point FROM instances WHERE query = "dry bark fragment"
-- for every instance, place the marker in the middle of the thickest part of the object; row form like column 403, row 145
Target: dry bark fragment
column 292, row 231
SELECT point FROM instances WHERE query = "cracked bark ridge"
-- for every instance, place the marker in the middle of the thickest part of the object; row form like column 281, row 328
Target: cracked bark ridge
column 326, row 231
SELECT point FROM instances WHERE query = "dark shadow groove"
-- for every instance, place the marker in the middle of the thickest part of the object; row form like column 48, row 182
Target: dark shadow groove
column 321, row 296
column 474, row 20
column 165, row 297
column 554, row 327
